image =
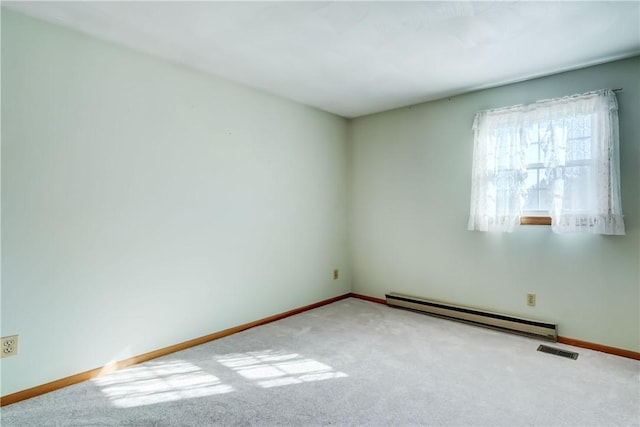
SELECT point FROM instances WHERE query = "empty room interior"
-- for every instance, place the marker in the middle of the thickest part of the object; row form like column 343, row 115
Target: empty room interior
column 314, row 213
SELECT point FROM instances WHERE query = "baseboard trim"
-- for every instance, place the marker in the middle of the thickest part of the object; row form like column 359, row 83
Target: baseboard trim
column 368, row 298
column 93, row 373
column 564, row 340
column 599, row 347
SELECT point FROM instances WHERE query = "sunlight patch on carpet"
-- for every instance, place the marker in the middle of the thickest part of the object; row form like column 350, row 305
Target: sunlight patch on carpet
column 158, row 382
column 271, row 368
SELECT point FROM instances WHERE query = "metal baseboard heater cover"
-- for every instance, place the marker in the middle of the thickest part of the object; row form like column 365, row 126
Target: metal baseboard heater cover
column 503, row 322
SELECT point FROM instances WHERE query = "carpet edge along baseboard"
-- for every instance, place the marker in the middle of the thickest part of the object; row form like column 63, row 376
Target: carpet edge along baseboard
column 93, row 373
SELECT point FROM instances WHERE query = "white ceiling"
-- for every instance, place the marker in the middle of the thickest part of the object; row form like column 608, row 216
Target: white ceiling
column 356, row 58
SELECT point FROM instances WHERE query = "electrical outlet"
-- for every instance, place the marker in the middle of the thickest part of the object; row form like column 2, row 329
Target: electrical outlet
column 9, row 346
column 336, row 274
column 531, row 300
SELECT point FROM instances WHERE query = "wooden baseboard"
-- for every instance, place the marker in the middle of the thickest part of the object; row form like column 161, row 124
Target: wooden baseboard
column 93, row 373
column 599, row 347
column 368, row 298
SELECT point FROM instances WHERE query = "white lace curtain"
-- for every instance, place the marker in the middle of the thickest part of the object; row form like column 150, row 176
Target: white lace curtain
column 577, row 139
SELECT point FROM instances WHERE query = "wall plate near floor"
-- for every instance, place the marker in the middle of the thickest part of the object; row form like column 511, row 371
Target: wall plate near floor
column 9, row 346
column 531, row 299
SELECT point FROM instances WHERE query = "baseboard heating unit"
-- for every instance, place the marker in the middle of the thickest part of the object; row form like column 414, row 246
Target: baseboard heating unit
column 503, row 322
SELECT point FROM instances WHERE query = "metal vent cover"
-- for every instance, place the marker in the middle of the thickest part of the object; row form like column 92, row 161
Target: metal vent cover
column 557, row 352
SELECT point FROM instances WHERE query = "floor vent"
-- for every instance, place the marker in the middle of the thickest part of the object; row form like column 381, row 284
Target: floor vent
column 557, row 351
column 503, row 322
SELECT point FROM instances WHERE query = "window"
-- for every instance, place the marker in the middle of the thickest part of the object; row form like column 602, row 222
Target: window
column 555, row 158
column 577, row 164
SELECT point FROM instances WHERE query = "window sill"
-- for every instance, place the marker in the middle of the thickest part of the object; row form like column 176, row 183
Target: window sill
column 535, row 220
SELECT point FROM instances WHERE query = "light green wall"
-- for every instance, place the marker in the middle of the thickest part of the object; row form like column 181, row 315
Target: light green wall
column 145, row 204
column 409, row 204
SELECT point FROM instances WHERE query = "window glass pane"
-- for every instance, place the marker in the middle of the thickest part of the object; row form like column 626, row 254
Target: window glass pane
column 575, row 192
column 531, row 184
column 533, row 155
column 532, row 178
column 531, row 204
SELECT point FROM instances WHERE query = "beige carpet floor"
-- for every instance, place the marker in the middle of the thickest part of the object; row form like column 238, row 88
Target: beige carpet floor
column 353, row 363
